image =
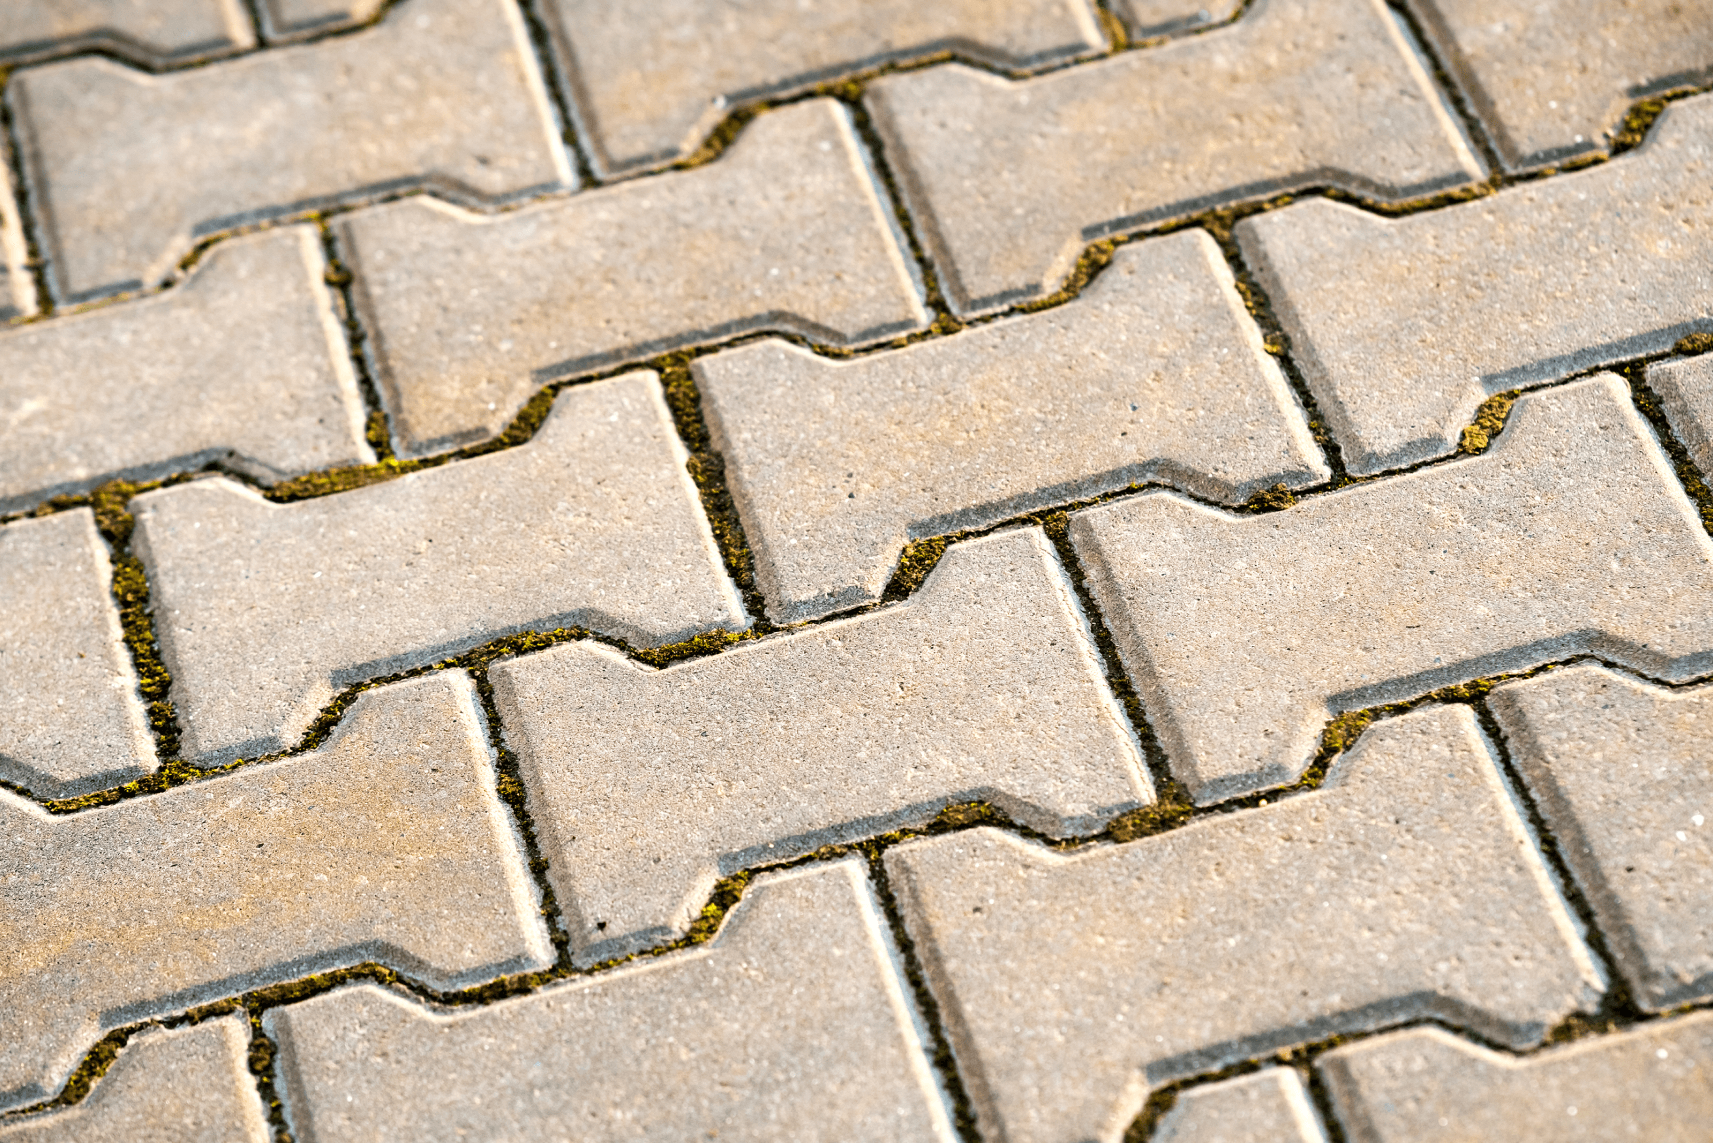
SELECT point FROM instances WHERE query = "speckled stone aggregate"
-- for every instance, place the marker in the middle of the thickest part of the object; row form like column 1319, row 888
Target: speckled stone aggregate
column 386, row 844
column 132, row 168
column 1570, row 535
column 183, row 1085
column 268, row 610
column 1010, row 180
column 1155, row 373
column 151, row 31
column 651, row 785
column 243, row 363
column 471, row 314
column 1269, row 1106
column 791, row 1025
column 1623, row 773
column 1428, row 1086
column 1402, row 327
column 1685, row 391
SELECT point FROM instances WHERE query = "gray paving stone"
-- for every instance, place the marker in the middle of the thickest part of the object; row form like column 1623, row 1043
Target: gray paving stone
column 386, row 844
column 1621, row 772
column 244, row 363
column 1157, row 17
column 650, row 90
column 127, row 170
column 1270, row 1106
column 70, row 716
column 1245, row 634
column 186, row 1085
column 1406, row 887
column 469, row 315
column 293, row 19
column 648, row 786
column 791, row 1024
column 17, row 290
column 156, row 32
column 1008, row 181
column 1552, row 79
column 265, row 611
column 1403, row 326
column 1685, row 390
column 1654, row 1083
column 1155, row 373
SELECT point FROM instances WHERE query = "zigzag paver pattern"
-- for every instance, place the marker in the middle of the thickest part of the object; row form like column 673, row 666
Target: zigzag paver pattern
column 1047, row 571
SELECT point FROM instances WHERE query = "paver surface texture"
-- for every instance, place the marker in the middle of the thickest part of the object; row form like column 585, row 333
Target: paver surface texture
column 1027, row 571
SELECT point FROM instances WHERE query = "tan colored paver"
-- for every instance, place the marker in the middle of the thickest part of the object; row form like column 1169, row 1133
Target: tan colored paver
column 157, row 32
column 1145, row 18
column 1008, row 181
column 386, row 844
column 265, row 611
column 469, row 315
column 294, row 19
column 1569, row 536
column 1654, row 1084
column 1269, row 1106
column 648, row 786
column 790, row 1025
column 243, row 363
column 1621, row 771
column 17, row 289
column 184, row 1085
column 1685, row 391
column 129, row 169
column 1406, row 887
column 1403, row 326
column 1552, row 79
column 1155, row 373
column 70, row 716
column 649, row 91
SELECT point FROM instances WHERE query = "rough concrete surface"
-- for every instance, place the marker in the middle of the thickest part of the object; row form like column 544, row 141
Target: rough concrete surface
column 1269, row 1106
column 1685, row 390
column 154, row 32
column 294, row 19
column 792, row 1024
column 651, row 785
column 1156, row 373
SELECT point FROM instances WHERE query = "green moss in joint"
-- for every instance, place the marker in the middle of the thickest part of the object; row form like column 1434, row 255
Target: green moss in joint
column 1489, row 421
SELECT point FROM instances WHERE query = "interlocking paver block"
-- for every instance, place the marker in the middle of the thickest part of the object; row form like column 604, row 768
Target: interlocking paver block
column 1403, row 326
column 1620, row 770
column 129, row 169
column 1154, row 17
column 243, row 363
column 791, row 1024
column 649, row 90
column 1155, row 373
column 70, row 716
column 293, row 19
column 1406, row 887
column 265, row 611
column 153, row 31
column 186, row 1085
column 1654, row 1083
column 1009, row 180
column 648, row 786
column 1270, row 1106
column 1552, row 79
column 786, row 231
column 386, row 844
column 1246, row 633
column 17, row 290
column 1685, row 391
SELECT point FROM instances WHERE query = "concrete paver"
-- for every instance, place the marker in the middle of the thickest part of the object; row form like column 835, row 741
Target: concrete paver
column 386, row 844
column 183, row 1085
column 648, row 92
column 1621, row 772
column 1269, row 1106
column 1145, row 18
column 129, row 169
column 1552, row 80
column 1155, row 373
column 1009, row 180
column 294, row 19
column 156, row 32
column 791, row 1024
column 470, row 314
column 1406, row 887
column 1403, row 326
column 17, row 289
column 1653, row 1083
column 71, row 719
column 647, row 786
column 1244, row 634
column 1685, row 391
column 267, row 610
column 243, row 363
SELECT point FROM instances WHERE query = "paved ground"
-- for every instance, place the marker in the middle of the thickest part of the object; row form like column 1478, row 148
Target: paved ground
column 757, row 569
